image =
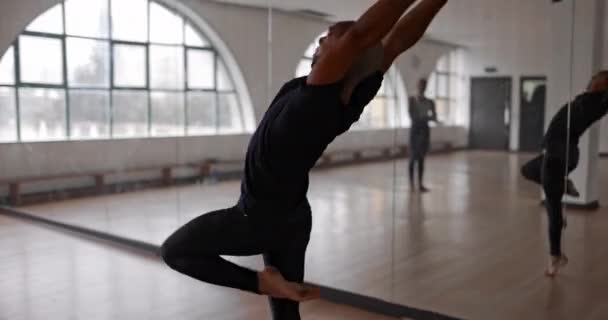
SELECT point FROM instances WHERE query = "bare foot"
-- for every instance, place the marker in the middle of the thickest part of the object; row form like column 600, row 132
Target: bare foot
column 272, row 283
column 555, row 263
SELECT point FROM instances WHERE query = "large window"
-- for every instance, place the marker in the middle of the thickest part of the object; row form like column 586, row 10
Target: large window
column 389, row 107
column 101, row 69
column 447, row 85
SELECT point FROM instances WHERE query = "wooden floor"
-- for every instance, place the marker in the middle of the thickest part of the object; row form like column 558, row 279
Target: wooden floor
column 45, row 274
column 474, row 247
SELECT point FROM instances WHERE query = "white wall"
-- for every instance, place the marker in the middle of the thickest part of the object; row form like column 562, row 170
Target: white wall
column 605, row 36
column 513, row 36
column 604, row 63
column 243, row 31
column 420, row 61
column 16, row 15
column 603, row 148
column 510, row 35
column 584, row 52
column 521, row 46
column 32, row 159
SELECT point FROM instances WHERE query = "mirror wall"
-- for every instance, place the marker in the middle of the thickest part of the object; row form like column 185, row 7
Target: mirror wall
column 138, row 117
column 134, row 117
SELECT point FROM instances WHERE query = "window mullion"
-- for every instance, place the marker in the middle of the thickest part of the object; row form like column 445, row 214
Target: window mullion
column 64, row 54
column 111, row 71
column 17, row 75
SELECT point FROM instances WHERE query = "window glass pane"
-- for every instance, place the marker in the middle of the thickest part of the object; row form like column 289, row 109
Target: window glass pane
column 167, row 114
column 8, row 120
column 41, row 60
column 166, row 67
column 454, row 61
column 224, row 82
column 229, row 115
column 454, row 86
column 88, row 63
column 165, row 26
column 391, row 119
column 443, row 65
column 382, row 90
column 201, row 69
column 50, row 22
column 364, row 120
column 202, row 113
column 42, row 114
column 404, row 119
column 194, row 38
column 130, row 113
column 389, row 84
column 89, row 114
column 442, row 86
column 377, row 111
column 443, row 110
column 129, row 65
column 130, row 20
column 7, row 67
column 431, row 87
column 304, row 68
column 87, row 18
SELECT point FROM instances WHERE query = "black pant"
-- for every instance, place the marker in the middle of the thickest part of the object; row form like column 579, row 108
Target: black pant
column 195, row 249
column 548, row 170
column 419, row 144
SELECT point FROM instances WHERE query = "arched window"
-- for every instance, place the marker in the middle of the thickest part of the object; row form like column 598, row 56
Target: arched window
column 101, row 69
column 448, row 86
column 389, row 107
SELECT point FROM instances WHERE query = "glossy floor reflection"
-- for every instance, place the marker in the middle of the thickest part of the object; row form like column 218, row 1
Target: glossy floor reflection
column 45, row 274
column 474, row 247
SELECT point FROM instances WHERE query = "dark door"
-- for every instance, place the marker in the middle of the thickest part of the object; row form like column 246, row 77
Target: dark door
column 490, row 113
column 533, row 93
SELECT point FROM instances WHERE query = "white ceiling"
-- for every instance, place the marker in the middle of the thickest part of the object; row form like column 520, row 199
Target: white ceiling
column 464, row 22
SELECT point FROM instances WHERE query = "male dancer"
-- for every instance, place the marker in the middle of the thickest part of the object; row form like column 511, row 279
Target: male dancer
column 421, row 111
column 272, row 216
column 549, row 168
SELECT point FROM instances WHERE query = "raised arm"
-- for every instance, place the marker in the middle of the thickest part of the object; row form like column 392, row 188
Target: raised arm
column 409, row 30
column 344, row 46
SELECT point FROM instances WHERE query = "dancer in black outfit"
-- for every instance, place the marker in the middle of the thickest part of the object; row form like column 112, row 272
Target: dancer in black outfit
column 272, row 216
column 422, row 111
column 549, row 168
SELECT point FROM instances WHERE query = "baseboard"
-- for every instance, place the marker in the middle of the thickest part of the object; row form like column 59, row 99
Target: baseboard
column 593, row 205
column 214, row 176
column 330, row 294
column 524, row 152
column 91, row 191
